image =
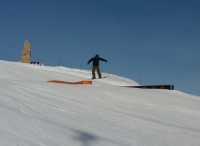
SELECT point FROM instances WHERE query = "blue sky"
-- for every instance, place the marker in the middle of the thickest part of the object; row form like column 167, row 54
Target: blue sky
column 158, row 40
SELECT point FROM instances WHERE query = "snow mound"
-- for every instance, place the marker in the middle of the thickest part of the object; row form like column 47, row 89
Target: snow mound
column 84, row 74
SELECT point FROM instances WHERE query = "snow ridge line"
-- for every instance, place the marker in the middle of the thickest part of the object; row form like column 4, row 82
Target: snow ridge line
column 113, row 79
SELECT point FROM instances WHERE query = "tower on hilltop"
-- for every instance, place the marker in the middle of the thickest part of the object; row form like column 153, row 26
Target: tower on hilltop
column 26, row 53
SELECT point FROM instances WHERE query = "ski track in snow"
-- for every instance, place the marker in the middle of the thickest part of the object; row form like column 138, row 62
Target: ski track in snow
column 34, row 112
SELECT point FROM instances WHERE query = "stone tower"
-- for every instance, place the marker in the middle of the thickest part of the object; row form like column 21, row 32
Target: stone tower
column 26, row 53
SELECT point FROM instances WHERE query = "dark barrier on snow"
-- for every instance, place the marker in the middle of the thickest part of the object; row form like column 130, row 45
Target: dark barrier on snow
column 169, row 87
column 35, row 62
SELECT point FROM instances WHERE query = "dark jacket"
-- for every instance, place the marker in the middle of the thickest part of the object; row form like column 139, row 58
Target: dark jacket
column 96, row 60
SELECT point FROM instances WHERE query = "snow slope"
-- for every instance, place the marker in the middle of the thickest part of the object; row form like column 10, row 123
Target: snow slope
column 34, row 112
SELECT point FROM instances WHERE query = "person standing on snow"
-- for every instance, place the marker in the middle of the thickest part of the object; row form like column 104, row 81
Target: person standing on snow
column 96, row 65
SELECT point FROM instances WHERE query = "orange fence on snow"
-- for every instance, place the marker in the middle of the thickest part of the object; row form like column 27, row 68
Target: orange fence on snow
column 85, row 82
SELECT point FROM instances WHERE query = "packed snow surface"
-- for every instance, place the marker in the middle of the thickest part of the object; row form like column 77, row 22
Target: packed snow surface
column 34, row 112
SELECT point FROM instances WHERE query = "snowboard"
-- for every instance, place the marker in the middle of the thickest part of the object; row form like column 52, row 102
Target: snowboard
column 99, row 78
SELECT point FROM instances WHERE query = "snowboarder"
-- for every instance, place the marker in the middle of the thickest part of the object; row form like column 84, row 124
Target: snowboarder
column 96, row 65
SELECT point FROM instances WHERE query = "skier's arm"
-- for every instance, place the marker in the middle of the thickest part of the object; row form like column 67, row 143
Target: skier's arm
column 90, row 61
column 102, row 59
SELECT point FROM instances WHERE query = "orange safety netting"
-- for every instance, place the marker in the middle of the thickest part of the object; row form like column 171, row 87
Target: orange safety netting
column 64, row 82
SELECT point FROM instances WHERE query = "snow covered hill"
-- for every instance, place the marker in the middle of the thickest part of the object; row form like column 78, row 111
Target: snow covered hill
column 34, row 112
